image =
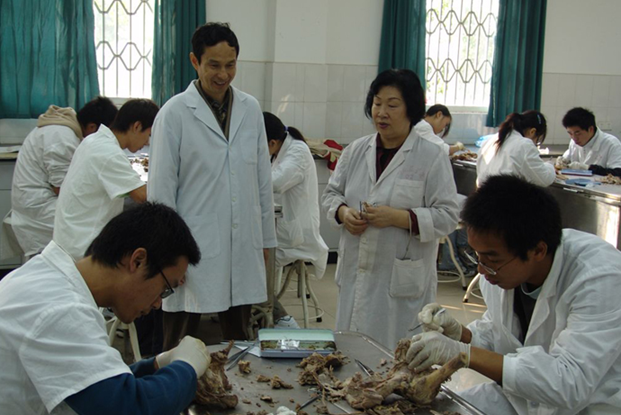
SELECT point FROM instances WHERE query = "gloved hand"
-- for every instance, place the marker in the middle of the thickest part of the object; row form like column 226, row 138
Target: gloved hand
column 283, row 410
column 443, row 323
column 433, row 348
column 190, row 350
column 460, row 146
column 561, row 162
column 576, row 165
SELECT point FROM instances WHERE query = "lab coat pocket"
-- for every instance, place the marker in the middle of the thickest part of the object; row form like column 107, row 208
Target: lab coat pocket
column 257, row 227
column 206, row 231
column 407, row 194
column 289, row 233
column 408, row 278
column 249, row 152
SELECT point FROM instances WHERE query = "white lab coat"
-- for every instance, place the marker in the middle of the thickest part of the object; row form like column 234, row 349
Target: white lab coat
column 425, row 130
column 294, row 178
column 570, row 361
column 42, row 162
column 517, row 156
column 223, row 190
column 603, row 150
column 381, row 286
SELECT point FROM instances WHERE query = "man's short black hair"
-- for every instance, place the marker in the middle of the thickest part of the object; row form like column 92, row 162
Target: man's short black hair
column 408, row 83
column 98, row 111
column 579, row 117
column 143, row 110
column 152, row 226
column 211, row 34
column 520, row 213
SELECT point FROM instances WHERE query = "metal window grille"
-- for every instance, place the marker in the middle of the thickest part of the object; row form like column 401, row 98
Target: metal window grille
column 460, row 51
column 124, row 43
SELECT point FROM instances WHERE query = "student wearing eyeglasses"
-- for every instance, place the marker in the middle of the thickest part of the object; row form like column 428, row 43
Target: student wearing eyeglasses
column 54, row 349
column 514, row 150
column 551, row 336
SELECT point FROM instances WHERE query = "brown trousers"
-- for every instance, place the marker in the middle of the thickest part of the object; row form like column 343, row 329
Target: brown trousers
column 233, row 323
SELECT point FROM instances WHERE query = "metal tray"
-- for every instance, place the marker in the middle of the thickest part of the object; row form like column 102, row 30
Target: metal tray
column 352, row 345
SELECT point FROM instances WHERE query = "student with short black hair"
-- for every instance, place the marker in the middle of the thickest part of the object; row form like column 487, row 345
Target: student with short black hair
column 42, row 164
column 55, row 353
column 551, row 336
column 590, row 148
column 100, row 177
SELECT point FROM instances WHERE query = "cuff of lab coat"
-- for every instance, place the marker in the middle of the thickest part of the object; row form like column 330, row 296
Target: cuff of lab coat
column 509, row 369
column 331, row 215
column 425, row 224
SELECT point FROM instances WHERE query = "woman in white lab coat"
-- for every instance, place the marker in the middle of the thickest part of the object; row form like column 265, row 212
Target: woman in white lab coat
column 404, row 187
column 294, row 180
column 514, row 150
column 435, row 126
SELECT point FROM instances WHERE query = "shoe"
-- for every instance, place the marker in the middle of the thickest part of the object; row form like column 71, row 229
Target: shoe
column 286, row 322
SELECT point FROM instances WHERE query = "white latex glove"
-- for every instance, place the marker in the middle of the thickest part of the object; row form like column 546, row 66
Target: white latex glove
column 283, row 410
column 576, row 165
column 460, row 146
column 190, row 350
column 433, row 348
column 443, row 323
column 561, row 162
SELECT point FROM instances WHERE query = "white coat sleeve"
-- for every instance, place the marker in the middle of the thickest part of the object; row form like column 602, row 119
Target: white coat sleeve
column 567, row 374
column 266, row 195
column 439, row 216
column 290, row 170
column 164, row 160
column 57, row 157
column 482, row 332
column 613, row 160
column 567, row 154
column 334, row 193
column 535, row 170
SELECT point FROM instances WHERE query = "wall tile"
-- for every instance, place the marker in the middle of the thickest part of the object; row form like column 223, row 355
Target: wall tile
column 567, row 90
column 601, row 114
column 354, row 81
column 370, row 75
column 300, row 76
column 601, row 91
column 284, row 110
column 334, row 113
column 269, row 81
column 238, row 81
column 549, row 89
column 336, row 83
column 314, row 125
column 584, row 90
column 353, row 118
column 299, row 114
column 254, row 79
column 316, row 83
column 556, row 126
column 615, row 92
column 283, row 82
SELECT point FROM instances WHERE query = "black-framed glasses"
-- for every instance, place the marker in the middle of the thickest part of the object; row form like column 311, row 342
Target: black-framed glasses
column 488, row 271
column 169, row 289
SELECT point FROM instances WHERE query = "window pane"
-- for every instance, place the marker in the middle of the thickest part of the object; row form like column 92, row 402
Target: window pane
column 460, row 51
column 124, row 44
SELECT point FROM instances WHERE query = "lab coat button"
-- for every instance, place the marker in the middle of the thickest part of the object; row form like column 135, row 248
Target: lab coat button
column 363, row 240
column 234, row 199
column 234, row 226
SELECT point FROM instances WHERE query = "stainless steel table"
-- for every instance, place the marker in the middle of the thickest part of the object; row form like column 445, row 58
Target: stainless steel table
column 595, row 210
column 354, row 346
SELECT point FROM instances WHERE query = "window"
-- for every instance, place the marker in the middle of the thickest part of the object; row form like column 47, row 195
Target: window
column 124, row 44
column 460, row 52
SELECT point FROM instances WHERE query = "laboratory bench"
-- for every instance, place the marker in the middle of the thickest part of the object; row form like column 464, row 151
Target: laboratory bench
column 596, row 210
column 353, row 346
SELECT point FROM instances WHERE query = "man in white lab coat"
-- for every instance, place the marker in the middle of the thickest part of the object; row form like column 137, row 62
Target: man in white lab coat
column 42, row 164
column 590, row 148
column 551, row 337
column 209, row 161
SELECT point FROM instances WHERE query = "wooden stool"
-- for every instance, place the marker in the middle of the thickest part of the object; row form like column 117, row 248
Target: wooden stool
column 305, row 291
column 116, row 324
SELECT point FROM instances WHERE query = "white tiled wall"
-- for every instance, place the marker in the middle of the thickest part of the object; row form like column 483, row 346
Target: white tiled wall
column 599, row 93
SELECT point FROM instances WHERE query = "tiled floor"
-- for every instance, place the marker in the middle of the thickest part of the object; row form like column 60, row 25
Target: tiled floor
column 450, row 296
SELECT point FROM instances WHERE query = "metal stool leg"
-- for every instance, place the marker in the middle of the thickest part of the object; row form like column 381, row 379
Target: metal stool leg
column 462, row 277
column 302, row 291
column 318, row 310
column 471, row 286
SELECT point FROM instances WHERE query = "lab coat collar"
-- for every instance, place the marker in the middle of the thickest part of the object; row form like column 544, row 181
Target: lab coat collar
column 205, row 115
column 105, row 131
column 397, row 160
column 284, row 148
column 55, row 256
column 594, row 143
column 548, row 290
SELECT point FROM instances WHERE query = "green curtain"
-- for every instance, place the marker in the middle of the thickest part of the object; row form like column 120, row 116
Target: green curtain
column 47, row 56
column 518, row 59
column 175, row 22
column 403, row 36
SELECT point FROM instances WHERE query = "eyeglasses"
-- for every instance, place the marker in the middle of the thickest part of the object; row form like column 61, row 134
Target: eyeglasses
column 169, row 290
column 488, row 271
